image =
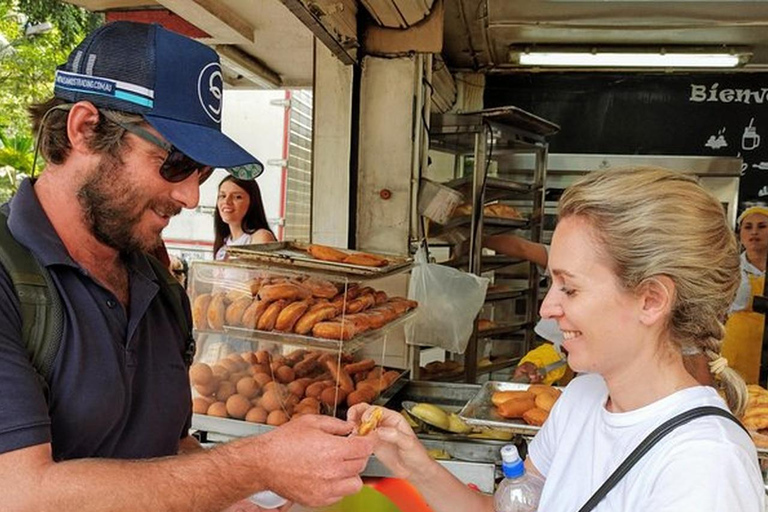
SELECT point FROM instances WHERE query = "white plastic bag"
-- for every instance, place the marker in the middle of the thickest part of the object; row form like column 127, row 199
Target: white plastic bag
column 449, row 300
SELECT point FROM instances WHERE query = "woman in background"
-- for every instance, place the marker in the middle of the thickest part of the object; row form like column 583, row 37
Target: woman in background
column 744, row 330
column 239, row 218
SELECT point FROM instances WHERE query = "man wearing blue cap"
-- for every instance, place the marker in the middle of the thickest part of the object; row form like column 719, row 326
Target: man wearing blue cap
column 133, row 129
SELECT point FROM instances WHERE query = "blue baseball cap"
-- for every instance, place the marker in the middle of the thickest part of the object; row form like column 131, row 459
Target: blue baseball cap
column 174, row 82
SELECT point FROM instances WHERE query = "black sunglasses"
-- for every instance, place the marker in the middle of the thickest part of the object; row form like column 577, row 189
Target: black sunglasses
column 177, row 166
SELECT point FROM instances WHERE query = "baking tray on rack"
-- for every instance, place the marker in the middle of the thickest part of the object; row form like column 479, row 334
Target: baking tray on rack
column 497, row 222
column 347, row 347
column 481, row 412
column 294, row 255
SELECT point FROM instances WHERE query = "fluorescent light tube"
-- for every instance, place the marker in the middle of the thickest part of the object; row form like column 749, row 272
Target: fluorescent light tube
column 628, row 59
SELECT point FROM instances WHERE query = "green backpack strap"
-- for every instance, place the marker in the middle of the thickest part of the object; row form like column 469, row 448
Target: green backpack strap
column 172, row 291
column 41, row 309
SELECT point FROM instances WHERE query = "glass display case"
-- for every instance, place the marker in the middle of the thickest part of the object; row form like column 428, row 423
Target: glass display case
column 278, row 341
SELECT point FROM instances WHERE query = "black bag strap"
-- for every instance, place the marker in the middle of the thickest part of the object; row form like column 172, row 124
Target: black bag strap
column 648, row 443
column 172, row 291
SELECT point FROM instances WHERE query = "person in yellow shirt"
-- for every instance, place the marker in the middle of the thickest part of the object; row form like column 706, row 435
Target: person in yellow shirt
column 549, row 352
column 744, row 329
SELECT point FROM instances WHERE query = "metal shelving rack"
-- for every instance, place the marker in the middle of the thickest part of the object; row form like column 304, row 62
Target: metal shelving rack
column 496, row 135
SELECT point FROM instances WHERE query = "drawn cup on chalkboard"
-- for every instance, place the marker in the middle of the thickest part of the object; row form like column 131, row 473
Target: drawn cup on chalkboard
column 750, row 139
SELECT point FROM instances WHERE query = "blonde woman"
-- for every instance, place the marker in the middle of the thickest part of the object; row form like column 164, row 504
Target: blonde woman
column 744, row 329
column 644, row 266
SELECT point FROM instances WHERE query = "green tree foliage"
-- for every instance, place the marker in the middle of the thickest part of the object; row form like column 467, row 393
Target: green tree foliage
column 28, row 62
column 16, row 157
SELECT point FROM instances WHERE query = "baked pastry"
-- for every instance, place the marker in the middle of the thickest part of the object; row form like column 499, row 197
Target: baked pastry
column 200, row 311
column 216, row 312
column 252, row 314
column 499, row 397
column 366, row 260
column 515, row 407
column 269, row 317
column 313, row 316
column 334, row 330
column 287, row 291
column 320, row 288
column 502, row 211
column 535, row 416
column 290, row 314
column 234, row 313
column 325, row 253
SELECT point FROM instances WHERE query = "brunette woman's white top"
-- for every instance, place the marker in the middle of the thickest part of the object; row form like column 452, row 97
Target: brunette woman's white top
column 243, row 239
column 708, row 464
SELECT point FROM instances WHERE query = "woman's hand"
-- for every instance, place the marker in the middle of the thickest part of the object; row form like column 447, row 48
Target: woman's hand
column 397, row 446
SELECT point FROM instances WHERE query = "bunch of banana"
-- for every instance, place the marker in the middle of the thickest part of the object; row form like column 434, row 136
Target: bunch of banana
column 458, row 425
column 492, row 433
column 432, row 414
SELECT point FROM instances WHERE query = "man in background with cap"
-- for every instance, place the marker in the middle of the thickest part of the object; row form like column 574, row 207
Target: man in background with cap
column 132, row 131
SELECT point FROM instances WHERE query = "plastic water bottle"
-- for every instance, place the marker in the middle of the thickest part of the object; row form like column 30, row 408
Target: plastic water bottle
column 268, row 499
column 518, row 492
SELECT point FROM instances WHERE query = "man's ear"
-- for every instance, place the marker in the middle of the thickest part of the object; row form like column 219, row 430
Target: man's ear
column 656, row 295
column 82, row 119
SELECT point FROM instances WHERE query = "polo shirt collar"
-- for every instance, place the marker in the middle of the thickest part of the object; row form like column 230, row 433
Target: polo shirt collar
column 30, row 226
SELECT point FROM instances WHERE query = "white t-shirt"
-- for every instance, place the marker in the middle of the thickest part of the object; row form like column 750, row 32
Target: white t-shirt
column 244, row 239
column 709, row 464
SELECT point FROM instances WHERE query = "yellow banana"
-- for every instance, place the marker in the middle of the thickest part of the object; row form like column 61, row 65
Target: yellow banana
column 431, row 414
column 456, row 424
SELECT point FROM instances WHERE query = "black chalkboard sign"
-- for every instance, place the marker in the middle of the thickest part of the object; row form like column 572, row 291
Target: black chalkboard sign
column 650, row 114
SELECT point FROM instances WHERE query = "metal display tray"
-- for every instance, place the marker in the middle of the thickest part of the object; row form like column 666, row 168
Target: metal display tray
column 480, row 411
column 346, row 347
column 294, row 255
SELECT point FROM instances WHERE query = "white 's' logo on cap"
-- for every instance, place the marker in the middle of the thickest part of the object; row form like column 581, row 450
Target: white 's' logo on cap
column 209, row 90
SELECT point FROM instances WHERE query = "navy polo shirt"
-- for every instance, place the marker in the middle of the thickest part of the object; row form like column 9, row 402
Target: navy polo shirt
column 119, row 387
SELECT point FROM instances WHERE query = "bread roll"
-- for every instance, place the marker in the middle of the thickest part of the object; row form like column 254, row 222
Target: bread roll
column 499, row 397
column 267, row 320
column 334, row 331
column 200, row 311
column 216, row 312
column 325, row 253
column 313, row 316
column 290, row 314
column 234, row 313
column 535, row 416
column 366, row 260
column 516, row 407
column 545, row 401
column 321, row 288
column 286, row 291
